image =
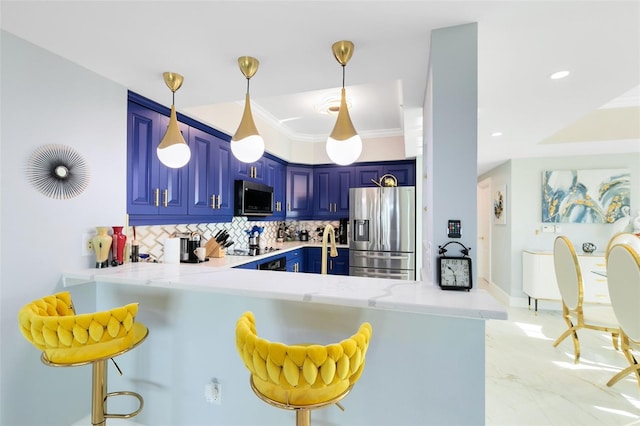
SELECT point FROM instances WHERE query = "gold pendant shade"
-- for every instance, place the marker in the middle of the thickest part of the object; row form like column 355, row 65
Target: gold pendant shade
column 246, row 144
column 173, row 150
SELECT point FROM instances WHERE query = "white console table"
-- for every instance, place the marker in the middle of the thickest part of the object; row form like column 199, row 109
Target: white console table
column 539, row 278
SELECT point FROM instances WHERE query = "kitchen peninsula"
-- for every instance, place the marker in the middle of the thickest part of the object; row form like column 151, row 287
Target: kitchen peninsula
column 426, row 356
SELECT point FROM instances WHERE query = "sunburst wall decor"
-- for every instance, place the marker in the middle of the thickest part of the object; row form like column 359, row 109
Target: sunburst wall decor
column 58, row 171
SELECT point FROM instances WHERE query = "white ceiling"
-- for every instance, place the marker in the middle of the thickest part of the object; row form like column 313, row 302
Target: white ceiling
column 520, row 43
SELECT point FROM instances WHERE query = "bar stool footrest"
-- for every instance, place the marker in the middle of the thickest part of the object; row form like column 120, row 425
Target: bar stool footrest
column 124, row 416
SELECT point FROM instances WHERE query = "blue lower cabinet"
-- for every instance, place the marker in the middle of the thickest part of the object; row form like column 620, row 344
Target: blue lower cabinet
column 250, row 265
column 335, row 265
column 295, row 261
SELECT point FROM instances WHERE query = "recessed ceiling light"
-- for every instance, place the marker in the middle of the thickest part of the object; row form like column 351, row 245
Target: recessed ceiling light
column 496, row 134
column 558, row 75
column 331, row 105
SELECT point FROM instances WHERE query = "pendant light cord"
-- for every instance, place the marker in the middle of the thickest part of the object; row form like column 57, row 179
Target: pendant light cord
column 343, row 67
column 248, row 86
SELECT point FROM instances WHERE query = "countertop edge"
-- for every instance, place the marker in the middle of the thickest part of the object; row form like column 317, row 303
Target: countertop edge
column 417, row 297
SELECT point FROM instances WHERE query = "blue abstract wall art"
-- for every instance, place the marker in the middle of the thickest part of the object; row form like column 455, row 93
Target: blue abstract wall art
column 585, row 196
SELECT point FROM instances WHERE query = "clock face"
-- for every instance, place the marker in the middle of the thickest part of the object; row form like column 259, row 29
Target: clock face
column 455, row 272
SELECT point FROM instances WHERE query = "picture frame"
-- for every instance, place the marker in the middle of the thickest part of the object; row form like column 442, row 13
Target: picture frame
column 500, row 205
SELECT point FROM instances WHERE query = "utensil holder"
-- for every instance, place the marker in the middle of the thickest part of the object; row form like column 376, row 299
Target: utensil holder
column 214, row 249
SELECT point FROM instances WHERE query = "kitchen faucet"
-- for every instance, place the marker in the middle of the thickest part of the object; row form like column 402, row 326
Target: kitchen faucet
column 328, row 231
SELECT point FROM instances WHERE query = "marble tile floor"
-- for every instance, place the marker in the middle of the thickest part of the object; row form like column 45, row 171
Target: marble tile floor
column 529, row 382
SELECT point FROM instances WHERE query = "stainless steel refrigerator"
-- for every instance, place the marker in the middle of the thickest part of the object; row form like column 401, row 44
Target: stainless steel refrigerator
column 383, row 241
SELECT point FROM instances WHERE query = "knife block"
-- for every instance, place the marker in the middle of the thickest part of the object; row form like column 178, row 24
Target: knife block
column 214, row 249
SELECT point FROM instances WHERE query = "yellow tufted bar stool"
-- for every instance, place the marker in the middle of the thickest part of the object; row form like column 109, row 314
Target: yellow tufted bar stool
column 70, row 340
column 301, row 377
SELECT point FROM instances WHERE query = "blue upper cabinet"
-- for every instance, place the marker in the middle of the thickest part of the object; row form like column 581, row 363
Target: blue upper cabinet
column 404, row 171
column 331, row 191
column 210, row 186
column 255, row 172
column 299, row 192
column 152, row 188
column 276, row 177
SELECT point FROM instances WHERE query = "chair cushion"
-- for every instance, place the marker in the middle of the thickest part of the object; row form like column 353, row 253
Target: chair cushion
column 301, row 374
column 52, row 326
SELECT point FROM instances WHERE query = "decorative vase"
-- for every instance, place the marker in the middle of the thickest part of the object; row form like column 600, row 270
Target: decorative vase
column 117, row 247
column 102, row 247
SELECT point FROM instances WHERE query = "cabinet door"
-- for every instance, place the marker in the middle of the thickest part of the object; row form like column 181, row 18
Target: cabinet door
column 331, row 191
column 276, row 177
column 142, row 140
column 313, row 259
column 299, row 192
column 295, row 261
column 365, row 175
column 255, row 172
column 152, row 188
column 404, row 171
column 335, row 265
column 339, row 265
column 210, row 187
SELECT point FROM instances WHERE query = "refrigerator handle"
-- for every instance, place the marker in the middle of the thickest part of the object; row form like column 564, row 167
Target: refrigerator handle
column 382, row 222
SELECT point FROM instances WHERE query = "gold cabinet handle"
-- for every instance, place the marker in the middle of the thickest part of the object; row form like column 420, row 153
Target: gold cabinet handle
column 331, row 264
column 213, row 201
column 335, row 207
column 219, row 201
column 156, row 197
column 288, row 206
column 165, row 202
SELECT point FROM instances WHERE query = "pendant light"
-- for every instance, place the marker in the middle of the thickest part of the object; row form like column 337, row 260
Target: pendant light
column 173, row 151
column 344, row 144
column 247, row 145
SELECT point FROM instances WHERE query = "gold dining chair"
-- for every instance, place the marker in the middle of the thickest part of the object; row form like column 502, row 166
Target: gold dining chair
column 569, row 278
column 301, row 377
column 632, row 240
column 623, row 279
column 67, row 339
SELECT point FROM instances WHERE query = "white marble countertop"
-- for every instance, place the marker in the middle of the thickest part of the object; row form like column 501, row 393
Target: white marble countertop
column 375, row 293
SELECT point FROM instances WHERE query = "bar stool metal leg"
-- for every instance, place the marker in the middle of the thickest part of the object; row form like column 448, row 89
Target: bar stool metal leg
column 303, row 417
column 99, row 391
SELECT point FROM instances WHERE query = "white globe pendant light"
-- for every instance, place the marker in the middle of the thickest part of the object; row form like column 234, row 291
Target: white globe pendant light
column 344, row 145
column 246, row 144
column 173, row 150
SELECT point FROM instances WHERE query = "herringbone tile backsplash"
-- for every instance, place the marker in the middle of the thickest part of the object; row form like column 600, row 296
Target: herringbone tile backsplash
column 151, row 238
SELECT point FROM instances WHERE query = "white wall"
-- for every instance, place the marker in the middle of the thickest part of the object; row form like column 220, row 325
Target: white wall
column 523, row 178
column 48, row 100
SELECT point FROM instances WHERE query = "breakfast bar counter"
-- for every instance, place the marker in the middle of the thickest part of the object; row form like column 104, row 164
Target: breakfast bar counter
column 425, row 363
column 377, row 293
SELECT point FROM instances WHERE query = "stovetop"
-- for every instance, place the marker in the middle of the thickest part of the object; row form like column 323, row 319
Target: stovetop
column 252, row 251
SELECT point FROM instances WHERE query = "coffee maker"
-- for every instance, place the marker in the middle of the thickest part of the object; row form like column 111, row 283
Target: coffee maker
column 343, row 231
column 189, row 242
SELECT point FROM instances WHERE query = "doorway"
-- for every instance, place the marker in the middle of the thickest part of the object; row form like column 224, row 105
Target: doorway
column 483, row 211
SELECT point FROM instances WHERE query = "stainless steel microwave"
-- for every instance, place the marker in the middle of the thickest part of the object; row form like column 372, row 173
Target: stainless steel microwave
column 253, row 199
